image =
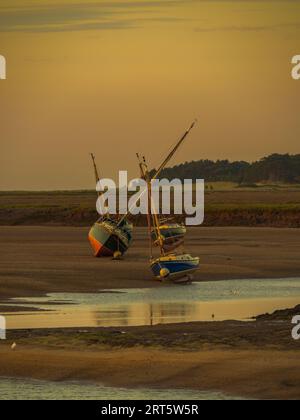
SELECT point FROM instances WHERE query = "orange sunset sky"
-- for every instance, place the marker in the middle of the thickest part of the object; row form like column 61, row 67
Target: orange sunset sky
column 124, row 76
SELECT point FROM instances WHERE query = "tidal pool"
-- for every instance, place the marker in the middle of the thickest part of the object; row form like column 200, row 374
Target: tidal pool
column 29, row 389
column 207, row 301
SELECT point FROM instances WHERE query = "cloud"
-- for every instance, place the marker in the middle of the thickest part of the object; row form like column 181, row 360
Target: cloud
column 245, row 28
column 106, row 15
column 88, row 26
column 80, row 16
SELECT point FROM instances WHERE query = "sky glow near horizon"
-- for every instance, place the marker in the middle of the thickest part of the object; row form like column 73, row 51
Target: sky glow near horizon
column 120, row 77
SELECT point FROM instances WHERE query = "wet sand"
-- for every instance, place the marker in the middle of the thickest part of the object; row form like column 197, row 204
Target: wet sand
column 249, row 359
column 260, row 374
column 37, row 260
column 257, row 359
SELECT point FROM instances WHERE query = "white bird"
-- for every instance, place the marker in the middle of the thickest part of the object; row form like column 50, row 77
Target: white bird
column 13, row 346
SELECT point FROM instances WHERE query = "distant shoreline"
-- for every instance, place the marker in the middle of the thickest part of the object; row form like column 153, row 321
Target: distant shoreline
column 223, row 207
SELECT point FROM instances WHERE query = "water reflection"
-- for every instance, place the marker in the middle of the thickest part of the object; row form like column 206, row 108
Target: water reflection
column 146, row 314
column 179, row 312
column 211, row 301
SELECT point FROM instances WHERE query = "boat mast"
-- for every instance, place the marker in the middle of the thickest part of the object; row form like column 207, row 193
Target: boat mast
column 145, row 176
column 174, row 150
column 97, row 178
column 166, row 161
column 151, row 208
column 96, row 171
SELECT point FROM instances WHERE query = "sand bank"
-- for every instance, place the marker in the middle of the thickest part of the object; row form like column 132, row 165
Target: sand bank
column 248, row 359
column 259, row 374
column 37, row 260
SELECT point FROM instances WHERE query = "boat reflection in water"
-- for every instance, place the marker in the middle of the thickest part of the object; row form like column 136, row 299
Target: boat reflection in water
column 208, row 301
column 139, row 314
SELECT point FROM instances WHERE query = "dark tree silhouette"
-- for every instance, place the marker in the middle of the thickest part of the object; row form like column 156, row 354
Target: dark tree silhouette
column 271, row 169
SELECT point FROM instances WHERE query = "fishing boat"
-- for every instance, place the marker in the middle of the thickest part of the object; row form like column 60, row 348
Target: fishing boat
column 109, row 237
column 179, row 267
column 172, row 235
column 175, row 267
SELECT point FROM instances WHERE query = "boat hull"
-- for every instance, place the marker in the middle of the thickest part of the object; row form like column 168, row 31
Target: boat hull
column 172, row 236
column 176, row 266
column 170, row 233
column 106, row 240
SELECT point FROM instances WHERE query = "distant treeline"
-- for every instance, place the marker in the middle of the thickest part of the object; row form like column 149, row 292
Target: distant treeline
column 272, row 169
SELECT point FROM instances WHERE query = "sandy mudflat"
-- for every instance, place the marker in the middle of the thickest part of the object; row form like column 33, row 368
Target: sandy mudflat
column 257, row 359
column 257, row 374
column 35, row 260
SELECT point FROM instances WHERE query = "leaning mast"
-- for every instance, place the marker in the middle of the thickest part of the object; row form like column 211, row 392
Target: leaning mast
column 166, row 161
column 95, row 171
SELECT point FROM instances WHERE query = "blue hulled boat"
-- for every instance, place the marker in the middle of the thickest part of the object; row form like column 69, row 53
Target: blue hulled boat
column 174, row 266
column 178, row 267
